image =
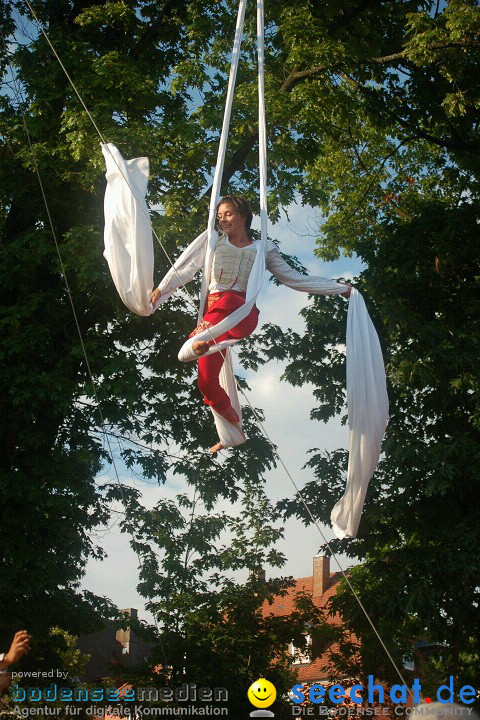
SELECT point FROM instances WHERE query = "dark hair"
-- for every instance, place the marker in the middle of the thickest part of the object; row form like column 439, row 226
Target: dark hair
column 241, row 205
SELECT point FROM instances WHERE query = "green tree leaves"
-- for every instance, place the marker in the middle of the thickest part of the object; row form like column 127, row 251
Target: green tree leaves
column 372, row 115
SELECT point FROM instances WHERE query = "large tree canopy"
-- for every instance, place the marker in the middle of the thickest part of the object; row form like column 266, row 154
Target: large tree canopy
column 373, row 118
column 53, row 444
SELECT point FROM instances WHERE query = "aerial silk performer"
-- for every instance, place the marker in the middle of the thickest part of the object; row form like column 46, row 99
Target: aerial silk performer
column 233, row 259
column 233, row 268
column 233, row 271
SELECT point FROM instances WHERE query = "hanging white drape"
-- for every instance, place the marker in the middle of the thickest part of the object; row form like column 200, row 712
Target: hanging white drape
column 128, row 233
column 367, row 405
column 129, row 252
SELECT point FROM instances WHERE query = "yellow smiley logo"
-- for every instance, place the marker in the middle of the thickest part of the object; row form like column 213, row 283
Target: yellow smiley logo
column 262, row 693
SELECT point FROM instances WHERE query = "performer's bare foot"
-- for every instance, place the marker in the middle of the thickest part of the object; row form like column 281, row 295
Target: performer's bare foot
column 200, row 347
column 218, row 446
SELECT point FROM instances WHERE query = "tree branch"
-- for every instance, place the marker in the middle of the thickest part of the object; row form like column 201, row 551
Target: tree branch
column 405, row 141
column 296, row 75
column 248, row 143
column 434, row 46
column 440, row 142
column 240, row 155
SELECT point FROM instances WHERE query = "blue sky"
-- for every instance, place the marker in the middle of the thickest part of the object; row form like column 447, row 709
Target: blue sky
column 286, row 419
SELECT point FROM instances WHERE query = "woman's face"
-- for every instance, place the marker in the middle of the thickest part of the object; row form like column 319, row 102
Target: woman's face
column 229, row 220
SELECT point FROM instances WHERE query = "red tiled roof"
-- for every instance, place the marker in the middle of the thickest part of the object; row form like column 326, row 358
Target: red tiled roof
column 286, row 605
column 320, row 668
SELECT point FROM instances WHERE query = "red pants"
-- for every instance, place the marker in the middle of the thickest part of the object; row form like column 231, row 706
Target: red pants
column 220, row 305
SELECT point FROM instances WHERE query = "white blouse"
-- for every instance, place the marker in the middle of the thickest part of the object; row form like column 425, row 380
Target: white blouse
column 232, row 266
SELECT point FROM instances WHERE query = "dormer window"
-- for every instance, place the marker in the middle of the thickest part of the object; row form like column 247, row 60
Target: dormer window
column 299, row 656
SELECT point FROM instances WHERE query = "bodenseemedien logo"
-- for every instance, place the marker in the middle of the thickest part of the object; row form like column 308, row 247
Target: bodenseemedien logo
column 262, row 694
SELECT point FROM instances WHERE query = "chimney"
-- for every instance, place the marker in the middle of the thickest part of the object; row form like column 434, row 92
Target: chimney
column 125, row 636
column 321, row 574
column 257, row 574
column 131, row 612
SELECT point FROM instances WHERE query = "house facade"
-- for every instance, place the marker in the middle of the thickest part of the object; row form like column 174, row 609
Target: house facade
column 110, row 647
column 322, row 586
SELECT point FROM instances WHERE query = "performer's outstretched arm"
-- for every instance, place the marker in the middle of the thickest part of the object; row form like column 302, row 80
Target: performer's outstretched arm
column 304, row 283
column 183, row 270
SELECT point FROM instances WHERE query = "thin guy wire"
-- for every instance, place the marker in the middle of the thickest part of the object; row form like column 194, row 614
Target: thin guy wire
column 238, row 387
column 104, row 142
column 332, row 552
column 64, row 69
column 62, row 267
column 189, row 298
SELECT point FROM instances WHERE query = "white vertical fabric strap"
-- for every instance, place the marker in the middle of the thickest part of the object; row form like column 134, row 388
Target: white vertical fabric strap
column 262, row 131
column 217, row 179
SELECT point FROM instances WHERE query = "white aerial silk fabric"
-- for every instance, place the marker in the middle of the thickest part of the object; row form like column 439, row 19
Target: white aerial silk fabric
column 367, row 404
column 126, row 220
column 230, row 435
column 129, row 253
